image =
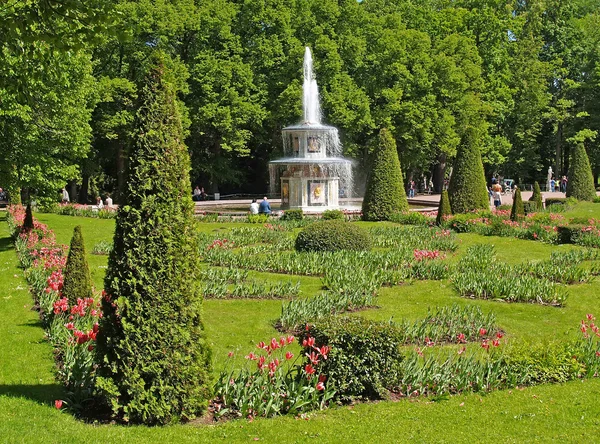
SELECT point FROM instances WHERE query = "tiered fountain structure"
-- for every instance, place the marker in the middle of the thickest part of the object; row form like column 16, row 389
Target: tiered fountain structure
column 312, row 175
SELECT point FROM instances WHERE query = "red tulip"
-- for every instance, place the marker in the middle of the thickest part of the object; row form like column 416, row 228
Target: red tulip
column 320, row 386
column 58, row 404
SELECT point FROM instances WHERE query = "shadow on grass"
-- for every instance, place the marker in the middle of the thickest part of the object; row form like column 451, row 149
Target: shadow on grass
column 42, row 393
column 6, row 244
column 33, row 323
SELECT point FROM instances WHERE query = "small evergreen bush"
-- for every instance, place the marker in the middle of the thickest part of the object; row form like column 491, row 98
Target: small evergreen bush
column 581, row 179
column 536, row 197
column 530, row 207
column 517, row 212
column 293, row 214
column 333, row 215
column 28, row 221
column 385, row 193
column 333, row 235
column 443, row 209
column 77, row 283
column 364, row 355
column 569, row 234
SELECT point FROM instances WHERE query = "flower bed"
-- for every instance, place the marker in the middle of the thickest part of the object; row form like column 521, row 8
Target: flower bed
column 70, row 329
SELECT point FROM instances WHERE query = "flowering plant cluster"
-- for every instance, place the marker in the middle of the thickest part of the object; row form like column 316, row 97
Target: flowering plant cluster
column 274, row 382
column 420, row 255
column 70, row 329
column 221, row 243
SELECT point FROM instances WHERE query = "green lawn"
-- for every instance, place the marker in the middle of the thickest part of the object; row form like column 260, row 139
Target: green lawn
column 565, row 413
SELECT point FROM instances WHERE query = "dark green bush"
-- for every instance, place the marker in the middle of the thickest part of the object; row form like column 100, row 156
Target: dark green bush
column 443, row 208
column 28, row 221
column 596, row 199
column 581, row 179
column 333, row 214
column 467, row 190
column 536, row 198
column 554, row 203
column 77, row 283
column 569, row 234
column 153, row 358
column 364, row 355
column 333, row 235
column 517, row 211
column 292, row 214
column 385, row 193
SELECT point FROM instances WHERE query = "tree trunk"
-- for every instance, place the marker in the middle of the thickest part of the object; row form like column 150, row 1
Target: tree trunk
column 559, row 165
column 439, row 171
column 84, row 190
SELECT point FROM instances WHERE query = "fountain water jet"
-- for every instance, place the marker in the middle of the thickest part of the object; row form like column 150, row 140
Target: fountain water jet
column 312, row 175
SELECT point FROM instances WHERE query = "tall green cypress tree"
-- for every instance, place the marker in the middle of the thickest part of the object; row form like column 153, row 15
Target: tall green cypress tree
column 518, row 211
column 467, row 190
column 581, row 179
column 443, row 208
column 77, row 283
column 537, row 197
column 385, row 193
column 152, row 353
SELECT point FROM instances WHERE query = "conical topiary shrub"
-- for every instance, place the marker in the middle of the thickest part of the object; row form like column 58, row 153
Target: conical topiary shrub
column 443, row 208
column 385, row 193
column 153, row 358
column 28, row 221
column 77, row 283
column 581, row 180
column 517, row 212
column 537, row 197
column 467, row 190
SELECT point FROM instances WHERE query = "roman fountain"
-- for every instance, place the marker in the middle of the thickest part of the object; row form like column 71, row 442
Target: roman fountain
column 312, row 175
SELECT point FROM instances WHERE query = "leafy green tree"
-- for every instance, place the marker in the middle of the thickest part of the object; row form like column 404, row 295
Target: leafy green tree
column 443, row 208
column 385, row 194
column 581, row 180
column 77, row 282
column 153, row 358
column 517, row 211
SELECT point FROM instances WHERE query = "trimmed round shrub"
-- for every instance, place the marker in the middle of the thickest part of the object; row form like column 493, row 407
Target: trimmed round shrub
column 536, row 198
column 333, row 235
column 152, row 354
column 467, row 190
column 385, row 193
column 77, row 283
column 517, row 212
column 581, row 180
column 333, row 215
column 443, row 209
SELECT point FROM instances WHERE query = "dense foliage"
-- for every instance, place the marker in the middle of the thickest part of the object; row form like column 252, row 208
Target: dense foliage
column 385, row 194
column 152, row 355
column 333, row 235
column 516, row 79
column 77, row 282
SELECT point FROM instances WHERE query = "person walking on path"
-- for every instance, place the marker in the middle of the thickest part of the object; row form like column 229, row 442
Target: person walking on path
column 264, row 207
column 563, row 184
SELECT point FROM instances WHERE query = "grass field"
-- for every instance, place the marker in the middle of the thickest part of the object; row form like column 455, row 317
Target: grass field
column 565, row 413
